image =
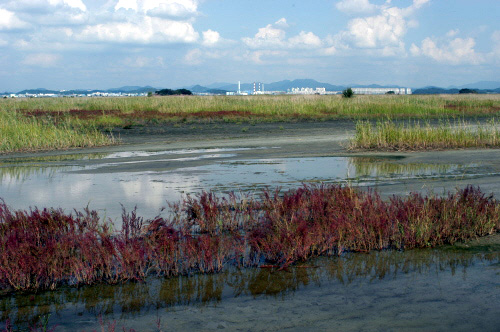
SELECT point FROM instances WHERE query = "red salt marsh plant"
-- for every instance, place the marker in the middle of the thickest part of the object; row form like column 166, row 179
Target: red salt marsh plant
column 43, row 249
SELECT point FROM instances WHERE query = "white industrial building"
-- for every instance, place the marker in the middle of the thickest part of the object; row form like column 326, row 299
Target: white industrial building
column 381, row 91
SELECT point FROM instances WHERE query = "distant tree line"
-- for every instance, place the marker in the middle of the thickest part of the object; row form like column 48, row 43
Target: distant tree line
column 169, row 92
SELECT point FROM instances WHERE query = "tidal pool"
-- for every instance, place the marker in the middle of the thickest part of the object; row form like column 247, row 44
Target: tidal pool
column 150, row 179
column 439, row 289
column 417, row 290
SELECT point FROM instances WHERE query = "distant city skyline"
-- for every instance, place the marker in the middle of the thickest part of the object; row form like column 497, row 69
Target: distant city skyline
column 95, row 44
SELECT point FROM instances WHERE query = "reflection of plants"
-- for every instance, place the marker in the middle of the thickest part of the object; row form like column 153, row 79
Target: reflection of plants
column 376, row 167
column 44, row 249
column 133, row 298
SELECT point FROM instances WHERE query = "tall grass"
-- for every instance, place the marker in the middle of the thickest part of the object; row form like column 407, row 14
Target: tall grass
column 271, row 107
column 388, row 135
column 18, row 133
column 47, row 248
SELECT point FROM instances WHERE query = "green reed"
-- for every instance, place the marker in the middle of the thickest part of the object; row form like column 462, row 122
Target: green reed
column 18, row 133
column 388, row 135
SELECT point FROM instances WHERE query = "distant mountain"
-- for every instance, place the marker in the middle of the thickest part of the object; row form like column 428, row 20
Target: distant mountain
column 482, row 85
column 204, row 89
column 375, row 86
column 38, row 90
column 434, row 90
column 133, row 89
column 125, row 89
column 217, row 85
column 431, row 90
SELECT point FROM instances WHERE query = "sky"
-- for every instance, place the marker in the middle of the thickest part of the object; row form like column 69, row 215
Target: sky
column 87, row 44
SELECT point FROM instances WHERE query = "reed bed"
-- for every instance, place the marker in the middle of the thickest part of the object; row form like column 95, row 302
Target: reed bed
column 271, row 108
column 18, row 133
column 388, row 135
column 47, row 248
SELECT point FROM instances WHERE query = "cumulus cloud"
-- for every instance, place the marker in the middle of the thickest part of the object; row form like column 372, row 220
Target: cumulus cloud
column 383, row 32
column 305, row 40
column 9, row 21
column 270, row 36
column 78, row 4
column 161, row 8
column 41, row 60
column 273, row 36
column 455, row 51
column 146, row 30
column 210, row 38
column 356, row 6
column 147, row 22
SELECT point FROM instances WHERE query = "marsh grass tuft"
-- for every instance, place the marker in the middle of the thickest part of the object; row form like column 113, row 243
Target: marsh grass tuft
column 18, row 133
column 389, row 135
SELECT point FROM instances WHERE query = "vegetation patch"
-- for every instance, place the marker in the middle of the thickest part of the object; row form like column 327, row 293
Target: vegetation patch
column 18, row 133
column 388, row 135
column 44, row 249
column 269, row 108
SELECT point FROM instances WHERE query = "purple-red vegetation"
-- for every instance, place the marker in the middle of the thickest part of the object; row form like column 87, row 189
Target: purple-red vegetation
column 42, row 249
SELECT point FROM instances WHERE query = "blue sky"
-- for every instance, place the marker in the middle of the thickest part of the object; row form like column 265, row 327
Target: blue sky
column 69, row 44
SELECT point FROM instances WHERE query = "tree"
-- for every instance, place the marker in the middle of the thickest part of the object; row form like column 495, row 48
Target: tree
column 461, row 91
column 347, row 93
column 169, row 92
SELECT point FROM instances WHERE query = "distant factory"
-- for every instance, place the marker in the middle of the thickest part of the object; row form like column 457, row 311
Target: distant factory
column 258, row 88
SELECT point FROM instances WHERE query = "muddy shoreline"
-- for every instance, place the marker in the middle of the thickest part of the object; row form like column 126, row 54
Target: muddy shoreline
column 281, row 140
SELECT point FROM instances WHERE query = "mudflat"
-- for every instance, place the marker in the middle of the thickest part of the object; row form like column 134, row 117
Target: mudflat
column 299, row 139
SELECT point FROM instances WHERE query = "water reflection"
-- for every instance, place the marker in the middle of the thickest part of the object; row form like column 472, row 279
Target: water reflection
column 149, row 180
column 364, row 270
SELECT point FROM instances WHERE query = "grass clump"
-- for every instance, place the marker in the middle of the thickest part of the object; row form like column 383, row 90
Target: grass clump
column 260, row 108
column 18, row 133
column 388, row 135
column 47, row 248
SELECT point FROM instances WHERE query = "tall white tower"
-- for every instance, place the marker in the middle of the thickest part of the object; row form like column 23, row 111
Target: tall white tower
column 239, row 87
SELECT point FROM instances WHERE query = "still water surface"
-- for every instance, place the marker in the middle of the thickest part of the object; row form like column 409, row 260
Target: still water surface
column 149, row 180
column 417, row 290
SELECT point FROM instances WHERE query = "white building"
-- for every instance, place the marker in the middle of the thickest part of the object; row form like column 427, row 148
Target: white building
column 381, row 91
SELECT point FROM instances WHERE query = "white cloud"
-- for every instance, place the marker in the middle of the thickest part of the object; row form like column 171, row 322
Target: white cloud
column 210, row 38
column 383, row 32
column 356, row 6
column 161, row 8
column 452, row 33
column 78, row 4
column 127, row 4
column 281, row 23
column 268, row 37
column 273, row 36
column 305, row 40
column 41, row 60
column 9, row 21
column 146, row 30
column 455, row 51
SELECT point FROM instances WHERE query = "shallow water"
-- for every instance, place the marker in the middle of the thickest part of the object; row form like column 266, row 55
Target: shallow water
column 440, row 289
column 150, row 179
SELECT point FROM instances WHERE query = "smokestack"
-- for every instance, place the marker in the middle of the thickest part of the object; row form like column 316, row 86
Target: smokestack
column 239, row 87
